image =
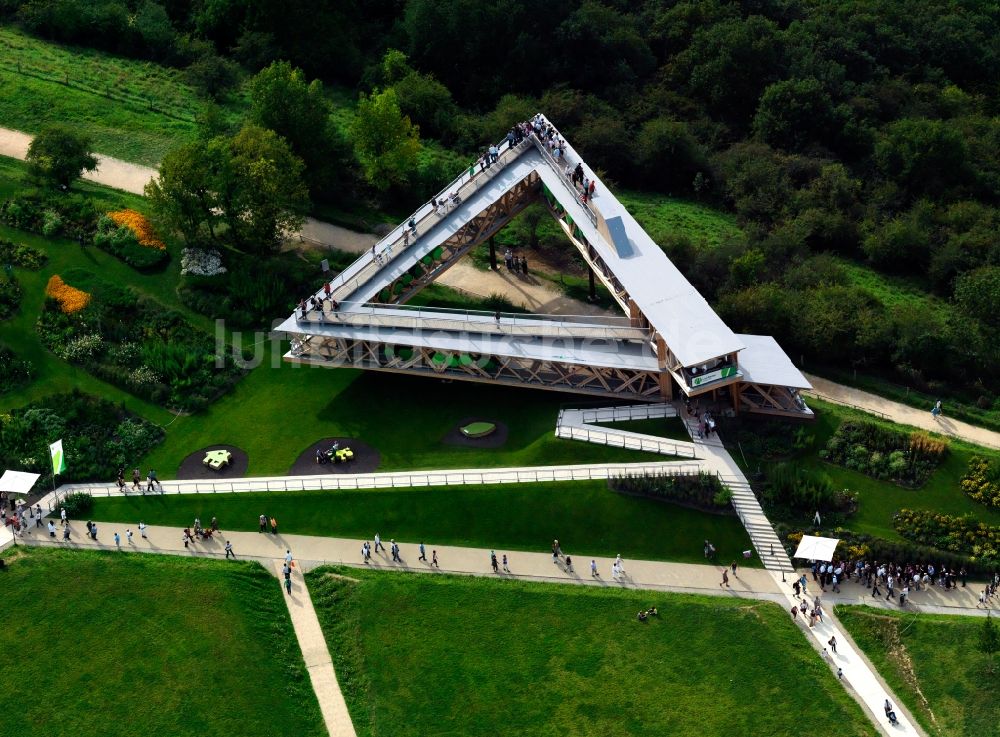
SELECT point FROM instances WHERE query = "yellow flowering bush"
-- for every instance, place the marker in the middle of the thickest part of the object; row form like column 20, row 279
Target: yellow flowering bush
column 70, row 298
column 139, row 225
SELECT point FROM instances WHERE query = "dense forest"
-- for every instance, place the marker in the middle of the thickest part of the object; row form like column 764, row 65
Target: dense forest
column 837, row 131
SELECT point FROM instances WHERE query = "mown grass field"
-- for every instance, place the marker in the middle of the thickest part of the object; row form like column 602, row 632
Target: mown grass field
column 133, row 110
column 115, row 644
column 664, row 427
column 586, row 516
column 932, row 664
column 420, row 655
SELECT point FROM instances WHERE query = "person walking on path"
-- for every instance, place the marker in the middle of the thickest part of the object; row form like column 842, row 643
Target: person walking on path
column 832, row 642
column 725, row 579
column 66, row 533
column 434, row 559
column 364, row 552
column 288, row 558
column 378, row 543
column 128, row 537
column 263, row 523
column 52, row 529
column 593, row 568
column 142, row 530
column 732, row 567
column 936, row 409
column 423, row 553
column 505, row 568
column 93, row 530
column 62, row 518
column 135, row 479
column 569, row 564
column 38, row 515
column 621, row 565
column 151, row 480
column 229, row 550
column 394, row 549
column 288, row 583
column 274, row 526
column 493, row 562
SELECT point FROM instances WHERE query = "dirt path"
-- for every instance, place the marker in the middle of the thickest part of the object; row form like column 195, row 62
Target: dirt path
column 110, row 172
column 922, row 418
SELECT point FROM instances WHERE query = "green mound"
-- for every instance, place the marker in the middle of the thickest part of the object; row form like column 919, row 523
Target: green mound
column 478, row 429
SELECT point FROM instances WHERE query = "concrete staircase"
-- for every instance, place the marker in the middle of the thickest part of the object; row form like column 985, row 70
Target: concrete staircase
column 764, row 539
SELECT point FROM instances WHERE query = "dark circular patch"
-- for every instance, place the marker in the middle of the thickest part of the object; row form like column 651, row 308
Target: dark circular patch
column 494, row 440
column 366, row 459
column 193, row 467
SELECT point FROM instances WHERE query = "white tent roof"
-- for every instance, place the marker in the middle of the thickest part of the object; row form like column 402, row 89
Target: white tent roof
column 6, row 537
column 17, row 482
column 816, row 548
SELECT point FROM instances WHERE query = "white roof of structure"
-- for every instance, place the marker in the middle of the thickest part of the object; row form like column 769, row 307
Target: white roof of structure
column 763, row 362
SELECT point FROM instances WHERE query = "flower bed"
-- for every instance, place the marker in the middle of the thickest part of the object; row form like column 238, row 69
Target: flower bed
column 140, row 227
column 17, row 254
column 141, row 252
column 982, row 482
column 98, row 437
column 962, row 535
column 71, row 300
column 701, row 490
column 885, row 453
column 791, row 489
column 138, row 344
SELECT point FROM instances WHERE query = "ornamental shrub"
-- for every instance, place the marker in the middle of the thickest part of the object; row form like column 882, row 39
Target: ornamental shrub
column 885, row 453
column 123, row 242
column 17, row 254
column 982, row 482
column 78, row 505
column 964, row 535
column 702, row 490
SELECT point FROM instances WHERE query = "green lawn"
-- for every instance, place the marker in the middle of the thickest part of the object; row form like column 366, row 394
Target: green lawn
column 932, row 664
column 664, row 427
column 879, row 500
column 663, row 217
column 134, row 110
column 440, row 655
column 115, row 644
column 586, row 516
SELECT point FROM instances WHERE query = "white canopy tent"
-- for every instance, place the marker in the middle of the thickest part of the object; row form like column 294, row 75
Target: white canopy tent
column 18, row 482
column 816, row 548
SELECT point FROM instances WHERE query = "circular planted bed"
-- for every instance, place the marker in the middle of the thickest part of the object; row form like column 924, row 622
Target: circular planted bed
column 365, row 459
column 224, row 462
column 477, row 432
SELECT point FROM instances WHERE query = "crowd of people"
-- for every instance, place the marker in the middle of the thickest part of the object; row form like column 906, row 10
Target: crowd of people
column 897, row 581
column 152, row 483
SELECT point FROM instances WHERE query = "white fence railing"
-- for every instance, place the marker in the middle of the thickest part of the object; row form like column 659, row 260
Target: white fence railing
column 332, row 482
column 630, row 441
column 626, row 413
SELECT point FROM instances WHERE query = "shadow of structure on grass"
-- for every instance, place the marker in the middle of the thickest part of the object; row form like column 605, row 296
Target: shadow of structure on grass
column 366, row 459
column 193, row 466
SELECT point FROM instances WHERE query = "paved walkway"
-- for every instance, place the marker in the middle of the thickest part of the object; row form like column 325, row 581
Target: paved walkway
column 902, row 413
column 316, row 655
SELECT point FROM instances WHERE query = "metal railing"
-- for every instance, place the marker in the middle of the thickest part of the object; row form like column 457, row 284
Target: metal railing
column 626, row 413
column 566, row 181
column 425, row 218
column 629, row 441
column 506, row 323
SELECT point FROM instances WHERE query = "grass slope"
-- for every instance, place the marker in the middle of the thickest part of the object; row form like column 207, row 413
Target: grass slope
column 439, row 655
column 586, row 517
column 931, row 662
column 134, row 110
column 665, row 217
column 665, row 427
column 113, row 644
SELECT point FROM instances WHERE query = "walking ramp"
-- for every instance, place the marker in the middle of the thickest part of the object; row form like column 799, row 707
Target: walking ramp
column 668, row 343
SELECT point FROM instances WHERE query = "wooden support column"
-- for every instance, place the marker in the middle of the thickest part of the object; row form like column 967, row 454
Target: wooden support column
column 666, row 386
column 593, row 286
column 493, row 252
column 735, row 389
column 635, row 316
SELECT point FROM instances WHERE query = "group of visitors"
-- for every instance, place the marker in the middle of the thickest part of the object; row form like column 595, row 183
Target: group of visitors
column 515, row 264
column 152, row 482
column 645, row 614
column 266, row 522
column 895, row 580
column 810, row 612
column 395, row 553
column 18, row 519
